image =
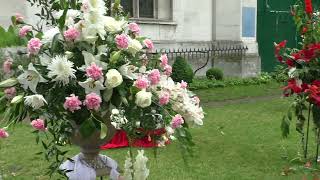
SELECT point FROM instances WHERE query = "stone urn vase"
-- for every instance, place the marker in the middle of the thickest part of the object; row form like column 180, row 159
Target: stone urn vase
column 90, row 148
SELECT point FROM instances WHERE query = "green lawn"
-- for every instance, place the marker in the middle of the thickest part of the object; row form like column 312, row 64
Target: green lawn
column 238, row 141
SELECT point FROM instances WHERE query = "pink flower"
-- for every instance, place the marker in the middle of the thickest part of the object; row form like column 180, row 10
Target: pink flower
column 94, row 71
column 154, row 77
column 7, row 66
column 38, row 124
column 19, row 18
column 34, row 46
column 164, row 98
column 71, row 34
column 149, row 44
column 24, row 31
column 183, row 84
column 164, row 60
column 93, row 101
column 141, row 83
column 168, row 70
column 177, row 121
column 10, row 92
column 72, row 103
column 134, row 27
column 122, row 41
column 3, row 133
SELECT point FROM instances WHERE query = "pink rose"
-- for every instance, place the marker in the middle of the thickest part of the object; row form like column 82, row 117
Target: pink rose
column 71, row 34
column 39, row 125
column 154, row 77
column 3, row 133
column 134, row 27
column 183, row 84
column 10, row 92
column 164, row 98
column 122, row 41
column 93, row 101
column 7, row 66
column 168, row 70
column 141, row 83
column 164, row 60
column 34, row 46
column 72, row 103
column 94, row 71
column 24, row 31
column 19, row 18
column 177, row 121
column 149, row 44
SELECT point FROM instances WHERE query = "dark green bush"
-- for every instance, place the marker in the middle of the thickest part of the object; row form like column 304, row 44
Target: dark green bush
column 214, row 74
column 181, row 70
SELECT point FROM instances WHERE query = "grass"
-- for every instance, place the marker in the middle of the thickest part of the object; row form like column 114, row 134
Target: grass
column 238, row 141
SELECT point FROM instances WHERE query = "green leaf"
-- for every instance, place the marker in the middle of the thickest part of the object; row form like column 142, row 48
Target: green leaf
column 104, row 131
column 62, row 19
column 285, row 127
column 87, row 128
column 8, row 83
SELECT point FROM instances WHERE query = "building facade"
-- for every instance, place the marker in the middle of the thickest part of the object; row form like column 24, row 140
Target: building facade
column 189, row 24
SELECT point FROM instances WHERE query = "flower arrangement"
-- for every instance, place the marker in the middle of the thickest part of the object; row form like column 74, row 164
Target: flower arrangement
column 89, row 67
column 303, row 68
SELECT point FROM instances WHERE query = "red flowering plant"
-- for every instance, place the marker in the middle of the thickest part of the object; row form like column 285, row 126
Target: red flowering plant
column 303, row 68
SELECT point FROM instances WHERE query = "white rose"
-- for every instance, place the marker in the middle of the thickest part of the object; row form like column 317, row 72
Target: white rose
column 114, row 78
column 143, row 99
column 113, row 25
column 134, row 46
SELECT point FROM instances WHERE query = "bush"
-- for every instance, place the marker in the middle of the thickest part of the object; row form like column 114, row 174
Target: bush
column 280, row 73
column 214, row 74
column 181, row 70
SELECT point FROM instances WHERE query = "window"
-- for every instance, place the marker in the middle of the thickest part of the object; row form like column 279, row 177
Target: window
column 148, row 9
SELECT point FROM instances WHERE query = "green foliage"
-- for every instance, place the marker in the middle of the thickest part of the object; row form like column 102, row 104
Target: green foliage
column 214, row 74
column 10, row 38
column 181, row 70
column 280, row 74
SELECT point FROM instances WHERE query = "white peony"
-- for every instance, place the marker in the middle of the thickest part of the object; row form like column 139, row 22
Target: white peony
column 35, row 101
column 49, row 35
column 143, row 99
column 113, row 25
column 134, row 46
column 61, row 69
column 141, row 172
column 113, row 78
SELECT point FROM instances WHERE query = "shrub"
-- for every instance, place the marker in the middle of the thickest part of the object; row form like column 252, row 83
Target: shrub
column 181, row 70
column 214, row 74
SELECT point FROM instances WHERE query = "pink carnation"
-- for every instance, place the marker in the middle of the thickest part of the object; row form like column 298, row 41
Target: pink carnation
column 122, row 41
column 34, row 46
column 183, row 84
column 149, row 44
column 164, row 98
column 7, row 66
column 154, row 77
column 164, row 60
column 10, row 92
column 93, row 101
column 177, row 121
column 71, row 34
column 94, row 71
column 3, row 133
column 19, row 18
column 168, row 70
column 24, row 31
column 38, row 124
column 72, row 103
column 134, row 27
column 141, row 83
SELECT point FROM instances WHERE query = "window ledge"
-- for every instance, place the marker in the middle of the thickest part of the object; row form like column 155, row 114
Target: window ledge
column 153, row 21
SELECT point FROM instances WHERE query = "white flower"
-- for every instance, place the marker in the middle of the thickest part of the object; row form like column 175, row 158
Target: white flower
column 113, row 25
column 35, row 101
column 142, row 69
column 141, row 172
column 128, row 168
column 128, row 71
column 169, row 130
column 114, row 78
column 134, row 46
column 71, row 15
column 89, row 59
column 143, row 99
column 292, row 72
column 30, row 78
column 94, row 5
column 61, row 69
column 93, row 25
column 90, row 85
column 49, row 35
column 115, row 112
